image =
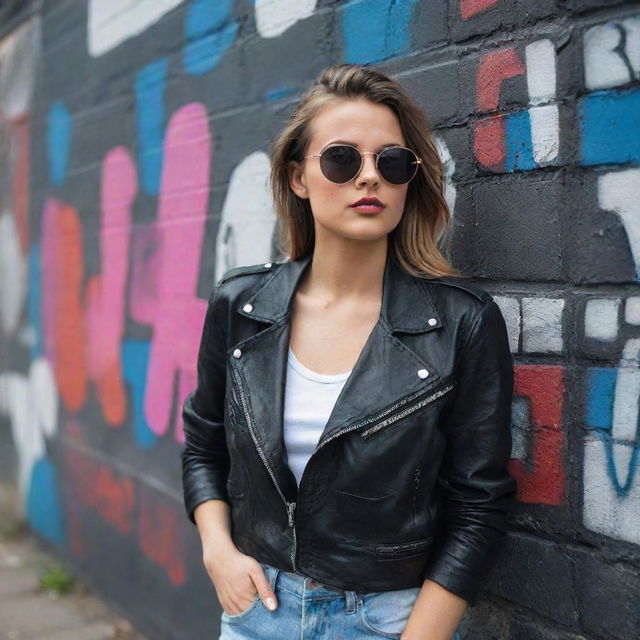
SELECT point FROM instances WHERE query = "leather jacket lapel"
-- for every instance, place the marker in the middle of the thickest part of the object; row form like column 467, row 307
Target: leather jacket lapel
column 386, row 372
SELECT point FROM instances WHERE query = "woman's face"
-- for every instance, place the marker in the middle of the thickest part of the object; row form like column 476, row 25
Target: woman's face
column 368, row 127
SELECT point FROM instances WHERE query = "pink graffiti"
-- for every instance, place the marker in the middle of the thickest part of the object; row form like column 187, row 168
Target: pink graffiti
column 174, row 311
column 105, row 293
column 84, row 340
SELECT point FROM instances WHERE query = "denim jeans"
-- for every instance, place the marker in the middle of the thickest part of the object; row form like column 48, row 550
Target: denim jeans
column 308, row 610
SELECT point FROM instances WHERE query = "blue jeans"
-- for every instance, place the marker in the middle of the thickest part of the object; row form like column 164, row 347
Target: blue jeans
column 308, row 610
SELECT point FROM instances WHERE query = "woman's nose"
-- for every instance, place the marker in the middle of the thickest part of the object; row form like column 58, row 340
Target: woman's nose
column 368, row 171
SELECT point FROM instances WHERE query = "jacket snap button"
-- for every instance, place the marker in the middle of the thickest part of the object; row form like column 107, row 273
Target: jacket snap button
column 423, row 373
column 248, row 307
column 432, row 321
column 268, row 265
column 237, row 353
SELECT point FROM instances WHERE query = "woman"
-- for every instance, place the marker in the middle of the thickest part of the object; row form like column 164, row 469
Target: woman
column 347, row 444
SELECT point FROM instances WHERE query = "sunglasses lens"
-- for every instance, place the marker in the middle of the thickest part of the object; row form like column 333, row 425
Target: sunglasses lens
column 397, row 165
column 340, row 163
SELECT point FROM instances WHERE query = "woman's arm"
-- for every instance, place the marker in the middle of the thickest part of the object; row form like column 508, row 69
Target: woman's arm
column 476, row 487
column 435, row 615
column 213, row 519
column 205, row 458
column 205, row 468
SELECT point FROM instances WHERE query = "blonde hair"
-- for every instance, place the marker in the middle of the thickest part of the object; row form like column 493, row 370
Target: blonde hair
column 415, row 241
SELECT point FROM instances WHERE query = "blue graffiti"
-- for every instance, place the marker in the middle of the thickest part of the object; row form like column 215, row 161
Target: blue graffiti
column 35, row 299
column 209, row 34
column 610, row 127
column 601, row 383
column 519, row 150
column 135, row 363
column 59, row 123
column 374, row 30
column 150, row 87
column 43, row 505
column 279, row 93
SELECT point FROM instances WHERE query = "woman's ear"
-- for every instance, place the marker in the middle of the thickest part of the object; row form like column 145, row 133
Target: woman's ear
column 296, row 181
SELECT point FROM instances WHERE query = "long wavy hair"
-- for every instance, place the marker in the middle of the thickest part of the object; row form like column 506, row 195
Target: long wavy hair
column 417, row 241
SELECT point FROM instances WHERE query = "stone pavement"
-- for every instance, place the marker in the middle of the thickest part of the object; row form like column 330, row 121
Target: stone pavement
column 28, row 612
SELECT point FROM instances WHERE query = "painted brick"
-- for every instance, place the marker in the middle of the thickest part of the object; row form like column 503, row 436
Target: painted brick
column 541, row 157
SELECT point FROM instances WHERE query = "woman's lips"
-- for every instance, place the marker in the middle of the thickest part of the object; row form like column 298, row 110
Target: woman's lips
column 368, row 208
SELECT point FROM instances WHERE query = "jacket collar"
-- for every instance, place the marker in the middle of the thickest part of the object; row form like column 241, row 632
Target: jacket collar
column 406, row 303
column 386, row 373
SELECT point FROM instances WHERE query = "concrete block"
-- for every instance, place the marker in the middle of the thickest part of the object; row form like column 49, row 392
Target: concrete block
column 536, row 574
column 607, row 597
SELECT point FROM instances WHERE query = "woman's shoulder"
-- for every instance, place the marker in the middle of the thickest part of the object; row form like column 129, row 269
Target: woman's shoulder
column 450, row 285
column 250, row 269
column 237, row 280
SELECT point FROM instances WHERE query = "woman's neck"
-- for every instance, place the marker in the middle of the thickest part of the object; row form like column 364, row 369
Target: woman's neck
column 349, row 272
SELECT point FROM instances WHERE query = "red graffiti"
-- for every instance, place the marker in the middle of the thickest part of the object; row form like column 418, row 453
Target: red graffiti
column 470, row 8
column 489, row 134
column 96, row 485
column 541, row 478
column 21, row 128
column 62, row 308
column 160, row 534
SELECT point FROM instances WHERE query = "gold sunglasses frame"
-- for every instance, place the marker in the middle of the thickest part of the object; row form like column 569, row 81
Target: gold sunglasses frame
column 377, row 155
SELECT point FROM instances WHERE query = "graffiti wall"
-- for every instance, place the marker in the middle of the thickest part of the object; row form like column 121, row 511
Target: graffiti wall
column 134, row 159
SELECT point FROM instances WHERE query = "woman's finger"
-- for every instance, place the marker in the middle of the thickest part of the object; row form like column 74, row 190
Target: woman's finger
column 263, row 586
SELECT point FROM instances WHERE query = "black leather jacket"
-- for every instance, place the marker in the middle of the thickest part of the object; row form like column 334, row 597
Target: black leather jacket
column 409, row 479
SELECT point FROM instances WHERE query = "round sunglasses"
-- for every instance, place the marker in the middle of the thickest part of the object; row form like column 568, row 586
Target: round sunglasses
column 341, row 163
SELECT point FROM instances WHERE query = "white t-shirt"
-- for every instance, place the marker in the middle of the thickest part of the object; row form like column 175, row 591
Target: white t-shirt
column 309, row 400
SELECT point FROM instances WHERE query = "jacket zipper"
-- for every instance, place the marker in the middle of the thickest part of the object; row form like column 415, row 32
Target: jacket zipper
column 290, row 506
column 403, row 548
column 385, row 413
column 401, row 414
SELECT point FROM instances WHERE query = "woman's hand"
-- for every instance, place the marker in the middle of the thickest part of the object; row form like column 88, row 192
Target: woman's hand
column 237, row 578
column 435, row 615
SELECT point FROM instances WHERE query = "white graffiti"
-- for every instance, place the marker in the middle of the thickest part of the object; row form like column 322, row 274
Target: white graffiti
column 449, row 165
column 632, row 310
column 542, row 325
column 611, row 487
column 111, row 23
column 605, row 510
column 541, row 85
column 510, row 308
column 612, row 53
column 13, row 275
column 19, row 54
column 619, row 191
column 31, row 404
column 248, row 220
column 274, row 17
column 601, row 319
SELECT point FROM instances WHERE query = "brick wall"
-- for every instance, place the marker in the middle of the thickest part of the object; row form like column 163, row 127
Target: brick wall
column 134, row 149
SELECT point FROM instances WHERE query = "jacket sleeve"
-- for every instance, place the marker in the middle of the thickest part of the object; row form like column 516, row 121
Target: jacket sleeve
column 477, row 489
column 205, row 458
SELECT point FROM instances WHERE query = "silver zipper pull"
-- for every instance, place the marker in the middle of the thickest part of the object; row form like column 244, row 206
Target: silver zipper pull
column 290, row 507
